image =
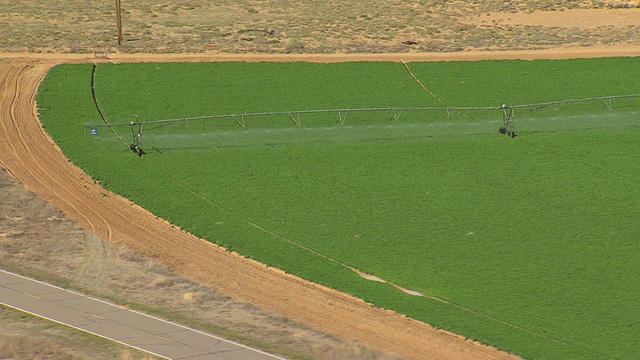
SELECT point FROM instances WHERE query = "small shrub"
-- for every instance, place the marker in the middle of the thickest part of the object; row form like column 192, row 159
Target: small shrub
column 294, row 44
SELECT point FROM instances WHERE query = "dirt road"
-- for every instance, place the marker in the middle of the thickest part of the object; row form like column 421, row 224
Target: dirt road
column 30, row 155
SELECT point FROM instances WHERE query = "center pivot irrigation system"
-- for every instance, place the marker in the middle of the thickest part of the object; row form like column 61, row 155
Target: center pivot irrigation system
column 508, row 116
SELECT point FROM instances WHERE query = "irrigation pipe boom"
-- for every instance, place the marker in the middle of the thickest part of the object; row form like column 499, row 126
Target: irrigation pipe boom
column 506, row 110
column 552, row 104
column 294, row 112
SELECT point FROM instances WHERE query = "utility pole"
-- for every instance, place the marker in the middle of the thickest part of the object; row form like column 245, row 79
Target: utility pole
column 119, row 22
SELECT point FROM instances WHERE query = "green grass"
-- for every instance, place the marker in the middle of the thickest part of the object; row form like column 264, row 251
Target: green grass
column 531, row 242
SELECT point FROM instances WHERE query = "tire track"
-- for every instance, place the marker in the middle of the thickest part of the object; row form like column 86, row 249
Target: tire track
column 5, row 94
column 27, row 150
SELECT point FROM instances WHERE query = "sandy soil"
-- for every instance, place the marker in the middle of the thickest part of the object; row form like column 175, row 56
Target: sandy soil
column 28, row 153
column 555, row 53
column 579, row 18
column 312, row 26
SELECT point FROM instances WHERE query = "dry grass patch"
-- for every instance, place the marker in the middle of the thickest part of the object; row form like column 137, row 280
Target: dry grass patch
column 37, row 240
column 317, row 26
column 27, row 337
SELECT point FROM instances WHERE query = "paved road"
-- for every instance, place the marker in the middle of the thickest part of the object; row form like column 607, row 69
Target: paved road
column 132, row 328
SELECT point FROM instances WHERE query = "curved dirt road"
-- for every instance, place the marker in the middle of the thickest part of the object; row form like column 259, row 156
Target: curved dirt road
column 28, row 153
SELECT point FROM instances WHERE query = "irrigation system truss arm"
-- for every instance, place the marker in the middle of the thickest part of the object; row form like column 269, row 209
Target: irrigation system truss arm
column 394, row 110
column 555, row 104
column 343, row 112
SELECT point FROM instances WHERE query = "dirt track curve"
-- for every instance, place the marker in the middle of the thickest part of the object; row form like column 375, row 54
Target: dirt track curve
column 29, row 154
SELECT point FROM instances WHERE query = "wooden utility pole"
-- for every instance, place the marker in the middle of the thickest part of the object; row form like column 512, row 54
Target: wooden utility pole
column 119, row 22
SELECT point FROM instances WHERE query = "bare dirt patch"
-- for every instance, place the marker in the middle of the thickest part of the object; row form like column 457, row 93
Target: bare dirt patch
column 578, row 18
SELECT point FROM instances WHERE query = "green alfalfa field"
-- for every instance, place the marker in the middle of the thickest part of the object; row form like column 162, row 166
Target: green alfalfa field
column 529, row 244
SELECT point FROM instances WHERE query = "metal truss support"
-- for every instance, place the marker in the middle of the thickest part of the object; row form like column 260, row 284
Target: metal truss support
column 450, row 111
column 295, row 119
column 240, row 121
column 342, row 117
column 396, row 115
